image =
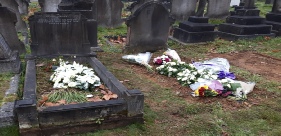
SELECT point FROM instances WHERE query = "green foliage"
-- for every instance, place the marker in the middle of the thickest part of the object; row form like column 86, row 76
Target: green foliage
column 9, row 131
column 67, row 95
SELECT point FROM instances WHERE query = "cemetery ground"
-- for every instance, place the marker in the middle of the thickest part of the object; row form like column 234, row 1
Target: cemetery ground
column 169, row 107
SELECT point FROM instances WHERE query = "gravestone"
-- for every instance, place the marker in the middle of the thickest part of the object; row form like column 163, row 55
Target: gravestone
column 49, row 5
column 23, row 6
column 201, row 8
column 62, row 34
column 148, row 28
column 9, row 60
column 274, row 17
column 7, row 28
column 218, row 8
column 244, row 24
column 182, row 9
column 85, row 7
column 13, row 5
column 109, row 13
column 195, row 30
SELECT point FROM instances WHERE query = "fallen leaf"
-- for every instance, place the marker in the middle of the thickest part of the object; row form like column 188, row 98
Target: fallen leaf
column 40, row 65
column 43, row 100
column 94, row 99
column 102, row 87
column 106, row 97
column 48, row 104
column 109, row 92
column 114, row 96
column 61, row 102
column 103, row 92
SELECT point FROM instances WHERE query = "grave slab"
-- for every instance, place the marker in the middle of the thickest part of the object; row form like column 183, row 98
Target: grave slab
column 81, row 117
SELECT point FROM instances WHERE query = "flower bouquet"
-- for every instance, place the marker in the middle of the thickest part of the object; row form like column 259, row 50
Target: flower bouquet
column 171, row 69
column 205, row 91
column 160, row 60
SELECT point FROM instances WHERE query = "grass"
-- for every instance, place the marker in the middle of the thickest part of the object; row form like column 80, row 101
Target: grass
column 4, row 85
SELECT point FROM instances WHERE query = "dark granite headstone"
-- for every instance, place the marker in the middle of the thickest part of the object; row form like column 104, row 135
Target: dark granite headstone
column 182, row 9
column 218, row 8
column 194, row 30
column 85, row 7
column 245, row 24
column 13, row 5
column 49, row 5
column 109, row 13
column 7, row 28
column 274, row 17
column 9, row 60
column 148, row 28
column 54, row 34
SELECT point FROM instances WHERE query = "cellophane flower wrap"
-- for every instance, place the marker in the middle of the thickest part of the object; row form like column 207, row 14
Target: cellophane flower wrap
column 74, row 75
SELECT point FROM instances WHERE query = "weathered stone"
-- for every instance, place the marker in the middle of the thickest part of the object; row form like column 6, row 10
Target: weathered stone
column 7, row 29
column 234, row 2
column 201, row 8
column 67, row 33
column 23, row 6
column 195, row 30
column 49, row 5
column 5, row 51
column 13, row 5
column 274, row 17
column 249, row 4
column 148, row 28
column 269, row 1
column 182, row 9
column 7, row 117
column 109, row 13
column 218, row 8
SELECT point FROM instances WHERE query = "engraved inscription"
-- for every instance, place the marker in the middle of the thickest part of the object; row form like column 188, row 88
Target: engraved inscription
column 59, row 19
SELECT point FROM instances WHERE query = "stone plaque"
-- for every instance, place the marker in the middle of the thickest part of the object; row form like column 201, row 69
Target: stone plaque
column 148, row 28
column 62, row 34
column 7, row 28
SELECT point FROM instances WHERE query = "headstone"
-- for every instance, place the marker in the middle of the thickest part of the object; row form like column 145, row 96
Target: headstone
column 182, row 9
column 59, row 34
column 7, row 28
column 245, row 24
column 218, row 8
column 13, row 5
column 274, row 17
column 49, row 5
column 109, row 13
column 148, row 28
column 85, row 7
column 23, row 6
column 195, row 30
column 9, row 60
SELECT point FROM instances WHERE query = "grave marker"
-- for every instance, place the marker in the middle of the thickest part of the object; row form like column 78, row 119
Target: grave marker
column 182, row 9
column 49, row 5
column 64, row 33
column 148, row 28
column 218, row 8
column 7, row 28
column 274, row 17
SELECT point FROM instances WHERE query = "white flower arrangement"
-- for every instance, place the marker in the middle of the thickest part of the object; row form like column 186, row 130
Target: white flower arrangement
column 74, row 75
column 171, row 69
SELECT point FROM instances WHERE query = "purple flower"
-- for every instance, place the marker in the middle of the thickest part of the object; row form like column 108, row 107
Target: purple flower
column 222, row 75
